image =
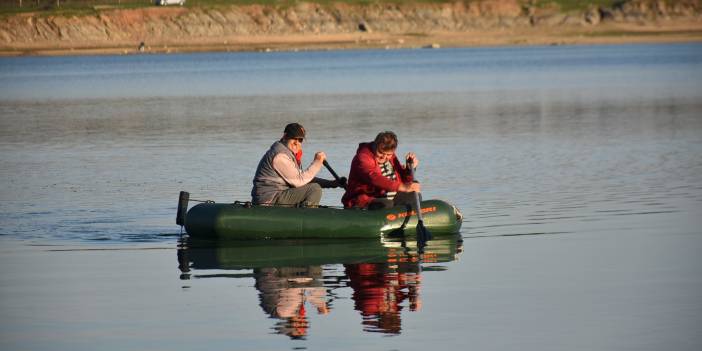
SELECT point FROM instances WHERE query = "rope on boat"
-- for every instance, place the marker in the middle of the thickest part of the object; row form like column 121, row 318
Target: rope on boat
column 184, row 199
column 249, row 204
column 203, row 201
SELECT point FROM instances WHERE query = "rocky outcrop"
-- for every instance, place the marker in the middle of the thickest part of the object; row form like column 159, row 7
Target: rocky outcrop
column 633, row 11
column 173, row 24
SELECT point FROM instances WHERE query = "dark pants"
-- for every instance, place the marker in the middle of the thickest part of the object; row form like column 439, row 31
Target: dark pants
column 307, row 195
column 400, row 199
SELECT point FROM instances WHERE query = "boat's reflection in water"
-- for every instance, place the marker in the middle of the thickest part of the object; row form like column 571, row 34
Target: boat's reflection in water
column 294, row 278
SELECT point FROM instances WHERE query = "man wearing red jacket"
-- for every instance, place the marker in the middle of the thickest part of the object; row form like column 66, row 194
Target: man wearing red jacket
column 377, row 179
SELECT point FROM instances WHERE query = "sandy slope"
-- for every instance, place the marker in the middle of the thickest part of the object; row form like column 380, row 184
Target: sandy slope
column 314, row 27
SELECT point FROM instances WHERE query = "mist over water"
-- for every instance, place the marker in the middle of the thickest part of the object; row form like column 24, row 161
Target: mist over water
column 578, row 171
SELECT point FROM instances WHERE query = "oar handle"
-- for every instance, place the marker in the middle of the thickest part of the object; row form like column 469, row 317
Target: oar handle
column 336, row 176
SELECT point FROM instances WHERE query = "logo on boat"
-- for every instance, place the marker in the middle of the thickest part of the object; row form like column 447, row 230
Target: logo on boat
column 392, row 216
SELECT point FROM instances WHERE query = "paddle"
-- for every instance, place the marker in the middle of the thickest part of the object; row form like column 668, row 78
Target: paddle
column 423, row 234
column 336, row 176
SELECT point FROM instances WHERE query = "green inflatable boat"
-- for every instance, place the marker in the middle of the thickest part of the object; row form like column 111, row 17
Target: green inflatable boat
column 242, row 221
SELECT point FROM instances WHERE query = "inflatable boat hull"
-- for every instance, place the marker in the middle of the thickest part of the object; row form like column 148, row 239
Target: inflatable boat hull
column 240, row 222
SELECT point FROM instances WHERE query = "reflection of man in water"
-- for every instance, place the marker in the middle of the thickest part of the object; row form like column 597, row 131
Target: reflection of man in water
column 283, row 293
column 379, row 290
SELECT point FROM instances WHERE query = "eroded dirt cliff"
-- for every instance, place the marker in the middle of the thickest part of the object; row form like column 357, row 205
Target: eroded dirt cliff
column 164, row 26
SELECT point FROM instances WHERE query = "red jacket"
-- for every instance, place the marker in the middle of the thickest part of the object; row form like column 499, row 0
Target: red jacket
column 366, row 182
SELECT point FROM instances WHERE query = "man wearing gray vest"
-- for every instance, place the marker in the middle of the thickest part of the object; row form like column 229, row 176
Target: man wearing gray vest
column 280, row 179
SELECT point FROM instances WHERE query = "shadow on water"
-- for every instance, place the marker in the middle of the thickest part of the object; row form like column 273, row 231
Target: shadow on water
column 293, row 275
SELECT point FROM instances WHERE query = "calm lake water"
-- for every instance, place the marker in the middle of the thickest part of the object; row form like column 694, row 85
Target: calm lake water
column 578, row 170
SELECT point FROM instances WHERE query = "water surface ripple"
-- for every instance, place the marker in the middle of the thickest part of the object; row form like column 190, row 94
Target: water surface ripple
column 578, row 171
column 553, row 140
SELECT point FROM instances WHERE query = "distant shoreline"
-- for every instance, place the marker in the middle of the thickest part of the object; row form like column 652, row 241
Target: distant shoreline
column 310, row 26
column 387, row 41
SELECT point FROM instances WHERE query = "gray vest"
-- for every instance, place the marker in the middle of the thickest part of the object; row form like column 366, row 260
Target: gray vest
column 267, row 183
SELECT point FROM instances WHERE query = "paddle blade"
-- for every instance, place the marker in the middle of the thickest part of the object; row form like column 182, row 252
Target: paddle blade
column 423, row 234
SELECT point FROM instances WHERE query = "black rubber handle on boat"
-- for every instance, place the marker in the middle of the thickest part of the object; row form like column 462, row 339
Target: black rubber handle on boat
column 336, row 176
column 183, row 199
column 423, row 234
